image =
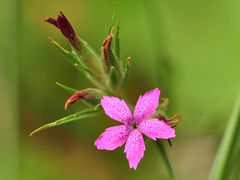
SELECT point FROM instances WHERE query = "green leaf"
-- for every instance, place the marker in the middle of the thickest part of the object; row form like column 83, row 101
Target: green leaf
column 163, row 104
column 68, row 89
column 165, row 159
column 73, row 117
column 220, row 169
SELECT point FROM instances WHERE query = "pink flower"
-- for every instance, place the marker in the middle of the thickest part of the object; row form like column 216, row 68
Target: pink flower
column 134, row 125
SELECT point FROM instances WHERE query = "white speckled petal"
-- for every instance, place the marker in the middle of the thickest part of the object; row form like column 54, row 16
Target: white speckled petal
column 134, row 148
column 113, row 137
column 146, row 105
column 154, row 128
column 117, row 109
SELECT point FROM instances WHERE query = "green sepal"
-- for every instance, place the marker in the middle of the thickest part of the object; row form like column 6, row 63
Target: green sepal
column 72, row 58
column 115, row 62
column 126, row 73
column 94, row 96
column 117, row 42
column 112, row 22
column 79, row 62
column 163, row 106
column 113, row 77
column 113, row 26
column 73, row 117
column 91, row 60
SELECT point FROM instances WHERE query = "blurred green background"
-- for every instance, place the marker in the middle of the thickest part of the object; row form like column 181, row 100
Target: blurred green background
column 190, row 49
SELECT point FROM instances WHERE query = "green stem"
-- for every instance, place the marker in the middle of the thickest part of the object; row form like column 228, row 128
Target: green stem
column 165, row 159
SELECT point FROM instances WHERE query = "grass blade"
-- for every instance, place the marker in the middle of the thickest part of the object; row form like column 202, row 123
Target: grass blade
column 220, row 169
column 73, row 117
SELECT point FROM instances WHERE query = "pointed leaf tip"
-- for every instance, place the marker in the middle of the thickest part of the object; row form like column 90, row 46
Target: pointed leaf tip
column 86, row 113
column 67, row 88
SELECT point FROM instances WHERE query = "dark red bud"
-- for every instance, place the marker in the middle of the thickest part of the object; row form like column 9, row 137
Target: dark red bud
column 89, row 96
column 65, row 27
column 74, row 98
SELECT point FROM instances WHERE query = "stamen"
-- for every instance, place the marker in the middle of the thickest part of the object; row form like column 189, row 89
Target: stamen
column 174, row 120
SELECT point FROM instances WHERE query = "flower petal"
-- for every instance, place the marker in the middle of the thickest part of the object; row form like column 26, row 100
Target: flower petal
column 146, row 105
column 117, row 109
column 134, row 148
column 113, row 137
column 155, row 128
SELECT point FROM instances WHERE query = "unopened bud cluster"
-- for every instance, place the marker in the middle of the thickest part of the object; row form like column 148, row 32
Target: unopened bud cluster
column 106, row 71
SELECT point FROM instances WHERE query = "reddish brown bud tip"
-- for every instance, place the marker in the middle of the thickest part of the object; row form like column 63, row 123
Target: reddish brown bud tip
column 52, row 21
column 106, row 48
column 65, row 27
column 74, row 98
column 107, row 41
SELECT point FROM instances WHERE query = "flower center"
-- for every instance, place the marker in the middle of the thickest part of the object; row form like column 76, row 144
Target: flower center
column 134, row 125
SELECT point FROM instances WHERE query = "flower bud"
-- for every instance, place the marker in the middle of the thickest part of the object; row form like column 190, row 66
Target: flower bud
column 66, row 28
column 90, row 96
column 83, row 56
column 106, row 50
